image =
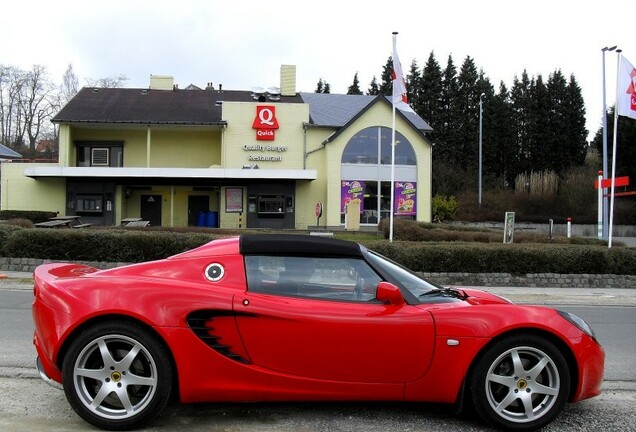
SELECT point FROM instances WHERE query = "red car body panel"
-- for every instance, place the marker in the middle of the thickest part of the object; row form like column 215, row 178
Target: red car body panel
column 348, row 342
column 287, row 348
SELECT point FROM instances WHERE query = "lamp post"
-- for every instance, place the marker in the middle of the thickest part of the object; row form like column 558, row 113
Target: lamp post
column 481, row 112
column 605, row 216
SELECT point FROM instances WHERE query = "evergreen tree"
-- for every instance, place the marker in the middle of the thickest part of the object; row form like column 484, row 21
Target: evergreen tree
column 374, row 89
column 386, row 87
column 557, row 144
column 466, row 113
column 413, row 85
column 541, row 157
column 447, row 123
column 500, row 161
column 323, row 86
column 354, row 89
column 429, row 102
column 575, row 131
column 520, row 102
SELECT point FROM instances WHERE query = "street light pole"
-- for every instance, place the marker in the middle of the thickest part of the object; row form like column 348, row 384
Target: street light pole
column 605, row 168
column 481, row 112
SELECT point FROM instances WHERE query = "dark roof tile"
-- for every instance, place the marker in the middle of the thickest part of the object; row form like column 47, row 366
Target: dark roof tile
column 143, row 106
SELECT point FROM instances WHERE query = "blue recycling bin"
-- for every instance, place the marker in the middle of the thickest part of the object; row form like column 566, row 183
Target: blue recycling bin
column 211, row 219
column 201, row 219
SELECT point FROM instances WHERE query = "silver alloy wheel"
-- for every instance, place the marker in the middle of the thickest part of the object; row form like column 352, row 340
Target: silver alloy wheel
column 522, row 384
column 115, row 377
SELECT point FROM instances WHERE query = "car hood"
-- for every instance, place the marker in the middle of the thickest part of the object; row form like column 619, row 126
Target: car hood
column 480, row 297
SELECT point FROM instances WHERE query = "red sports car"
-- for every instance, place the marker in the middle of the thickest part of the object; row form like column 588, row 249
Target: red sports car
column 297, row 318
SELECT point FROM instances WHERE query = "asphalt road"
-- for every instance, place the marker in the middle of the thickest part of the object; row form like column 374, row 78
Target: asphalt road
column 27, row 403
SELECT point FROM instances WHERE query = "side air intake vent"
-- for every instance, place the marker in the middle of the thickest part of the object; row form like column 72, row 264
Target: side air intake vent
column 202, row 324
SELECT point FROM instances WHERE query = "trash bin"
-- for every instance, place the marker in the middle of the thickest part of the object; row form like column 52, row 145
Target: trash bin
column 211, row 219
column 201, row 219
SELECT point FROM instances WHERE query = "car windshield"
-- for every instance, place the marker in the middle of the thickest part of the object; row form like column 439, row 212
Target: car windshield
column 403, row 276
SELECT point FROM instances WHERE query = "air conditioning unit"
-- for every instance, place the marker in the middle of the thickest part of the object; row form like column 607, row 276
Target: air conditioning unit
column 99, row 157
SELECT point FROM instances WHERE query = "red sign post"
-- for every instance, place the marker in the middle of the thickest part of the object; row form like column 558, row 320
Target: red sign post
column 318, row 212
column 607, row 183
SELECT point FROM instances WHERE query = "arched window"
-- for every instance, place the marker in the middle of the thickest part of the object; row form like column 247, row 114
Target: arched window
column 363, row 148
column 365, row 175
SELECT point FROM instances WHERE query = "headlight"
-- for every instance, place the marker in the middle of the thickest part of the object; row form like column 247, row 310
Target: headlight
column 578, row 322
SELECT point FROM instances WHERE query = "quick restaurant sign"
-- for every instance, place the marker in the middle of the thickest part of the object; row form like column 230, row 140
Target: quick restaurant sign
column 265, row 123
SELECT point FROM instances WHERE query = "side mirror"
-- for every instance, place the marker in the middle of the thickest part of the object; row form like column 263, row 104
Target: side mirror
column 388, row 293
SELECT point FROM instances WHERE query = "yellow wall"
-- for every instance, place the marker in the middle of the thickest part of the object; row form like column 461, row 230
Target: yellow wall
column 308, row 193
column 239, row 133
column 24, row 193
column 198, row 148
column 232, row 220
column 65, row 140
column 328, row 164
column 195, row 149
column 174, row 211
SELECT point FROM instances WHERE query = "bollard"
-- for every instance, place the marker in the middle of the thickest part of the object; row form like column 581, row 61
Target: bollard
column 569, row 227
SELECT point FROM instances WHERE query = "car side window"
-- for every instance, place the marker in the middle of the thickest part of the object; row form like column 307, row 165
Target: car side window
column 342, row 279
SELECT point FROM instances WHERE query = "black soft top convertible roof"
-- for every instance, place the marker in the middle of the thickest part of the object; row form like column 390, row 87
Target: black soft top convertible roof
column 293, row 244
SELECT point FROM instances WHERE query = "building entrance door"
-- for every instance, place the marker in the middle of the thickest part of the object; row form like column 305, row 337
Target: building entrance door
column 151, row 209
column 197, row 204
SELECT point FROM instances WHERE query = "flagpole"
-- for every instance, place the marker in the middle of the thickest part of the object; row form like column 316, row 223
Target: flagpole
column 392, row 192
column 614, row 144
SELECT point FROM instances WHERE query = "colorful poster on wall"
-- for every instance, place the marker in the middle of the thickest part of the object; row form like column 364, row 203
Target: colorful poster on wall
column 405, row 199
column 351, row 190
column 234, row 200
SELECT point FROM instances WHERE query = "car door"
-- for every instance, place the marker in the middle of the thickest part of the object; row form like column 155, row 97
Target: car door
column 323, row 329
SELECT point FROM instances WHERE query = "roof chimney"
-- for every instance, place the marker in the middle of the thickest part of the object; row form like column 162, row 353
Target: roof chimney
column 161, row 82
column 288, row 80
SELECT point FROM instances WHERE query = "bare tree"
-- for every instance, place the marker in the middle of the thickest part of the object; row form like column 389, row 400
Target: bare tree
column 69, row 86
column 37, row 103
column 11, row 81
column 108, row 82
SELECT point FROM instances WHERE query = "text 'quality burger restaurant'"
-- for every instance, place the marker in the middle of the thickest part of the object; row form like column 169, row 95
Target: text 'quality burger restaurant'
column 230, row 159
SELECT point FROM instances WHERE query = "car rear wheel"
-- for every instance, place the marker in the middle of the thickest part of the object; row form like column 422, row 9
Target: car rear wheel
column 520, row 383
column 117, row 376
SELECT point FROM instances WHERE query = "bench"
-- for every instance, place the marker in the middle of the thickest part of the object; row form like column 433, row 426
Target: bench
column 84, row 225
column 138, row 223
column 53, row 224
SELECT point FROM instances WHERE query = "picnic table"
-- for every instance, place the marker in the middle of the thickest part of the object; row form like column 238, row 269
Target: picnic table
column 136, row 223
column 63, row 221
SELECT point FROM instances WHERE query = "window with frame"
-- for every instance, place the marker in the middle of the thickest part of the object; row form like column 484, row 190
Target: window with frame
column 321, row 278
column 363, row 148
column 100, row 153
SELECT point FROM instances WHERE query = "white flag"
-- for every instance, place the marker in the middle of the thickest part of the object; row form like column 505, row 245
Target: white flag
column 626, row 101
column 400, row 100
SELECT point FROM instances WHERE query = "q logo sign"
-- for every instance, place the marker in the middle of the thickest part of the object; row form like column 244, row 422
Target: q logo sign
column 265, row 122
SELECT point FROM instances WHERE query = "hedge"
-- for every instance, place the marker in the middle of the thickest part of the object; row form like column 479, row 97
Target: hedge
column 516, row 259
column 99, row 245
column 113, row 245
column 34, row 216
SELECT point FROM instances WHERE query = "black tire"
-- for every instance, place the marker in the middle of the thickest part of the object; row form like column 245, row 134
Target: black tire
column 521, row 383
column 117, row 375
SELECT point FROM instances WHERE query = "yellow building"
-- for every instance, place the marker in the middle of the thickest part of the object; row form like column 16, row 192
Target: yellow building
column 229, row 159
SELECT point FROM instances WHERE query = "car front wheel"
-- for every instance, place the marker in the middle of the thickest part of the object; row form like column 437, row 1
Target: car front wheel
column 117, row 376
column 521, row 383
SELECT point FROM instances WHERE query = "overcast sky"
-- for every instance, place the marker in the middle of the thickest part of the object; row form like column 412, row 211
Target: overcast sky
column 242, row 44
